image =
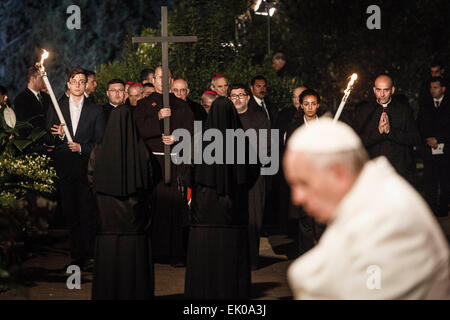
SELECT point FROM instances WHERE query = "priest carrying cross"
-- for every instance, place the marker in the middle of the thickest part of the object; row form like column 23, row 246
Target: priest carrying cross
column 169, row 204
column 165, row 39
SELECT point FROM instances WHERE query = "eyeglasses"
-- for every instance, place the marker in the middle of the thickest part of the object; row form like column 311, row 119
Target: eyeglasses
column 236, row 96
column 179, row 90
column 75, row 82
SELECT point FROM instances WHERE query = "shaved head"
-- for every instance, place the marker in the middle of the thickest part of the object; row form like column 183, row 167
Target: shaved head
column 384, row 80
column 383, row 89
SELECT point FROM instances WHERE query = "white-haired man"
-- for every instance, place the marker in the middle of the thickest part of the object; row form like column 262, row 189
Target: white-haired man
column 381, row 242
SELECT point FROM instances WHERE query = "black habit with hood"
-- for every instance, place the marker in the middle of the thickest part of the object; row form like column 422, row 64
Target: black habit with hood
column 120, row 171
column 218, row 253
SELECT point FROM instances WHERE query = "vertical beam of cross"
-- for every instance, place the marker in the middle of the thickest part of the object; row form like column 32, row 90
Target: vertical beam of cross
column 165, row 39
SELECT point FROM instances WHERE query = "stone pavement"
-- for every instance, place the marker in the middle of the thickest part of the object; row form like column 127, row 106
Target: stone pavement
column 45, row 278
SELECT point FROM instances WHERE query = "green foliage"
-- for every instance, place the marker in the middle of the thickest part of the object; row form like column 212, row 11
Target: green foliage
column 24, row 176
column 215, row 52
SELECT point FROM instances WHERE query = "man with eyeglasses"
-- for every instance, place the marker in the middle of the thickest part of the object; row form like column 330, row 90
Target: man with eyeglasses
column 169, row 203
column 252, row 119
column 115, row 90
column 181, row 91
column 86, row 123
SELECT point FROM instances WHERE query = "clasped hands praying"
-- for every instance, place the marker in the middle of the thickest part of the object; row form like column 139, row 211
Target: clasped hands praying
column 383, row 125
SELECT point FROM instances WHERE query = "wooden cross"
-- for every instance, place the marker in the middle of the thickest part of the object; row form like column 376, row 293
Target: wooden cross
column 165, row 39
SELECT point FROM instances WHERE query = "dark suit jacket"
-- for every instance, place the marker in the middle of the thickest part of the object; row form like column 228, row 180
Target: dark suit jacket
column 253, row 105
column 26, row 106
column 435, row 122
column 397, row 144
column 89, row 132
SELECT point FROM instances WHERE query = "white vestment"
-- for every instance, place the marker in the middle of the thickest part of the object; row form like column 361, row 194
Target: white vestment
column 383, row 243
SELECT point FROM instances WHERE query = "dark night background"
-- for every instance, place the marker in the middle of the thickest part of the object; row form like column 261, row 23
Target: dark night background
column 324, row 40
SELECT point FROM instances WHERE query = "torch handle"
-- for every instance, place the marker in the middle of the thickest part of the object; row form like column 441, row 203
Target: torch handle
column 57, row 108
column 341, row 107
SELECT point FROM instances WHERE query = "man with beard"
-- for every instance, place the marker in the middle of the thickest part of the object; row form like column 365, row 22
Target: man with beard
column 252, row 119
column 169, row 200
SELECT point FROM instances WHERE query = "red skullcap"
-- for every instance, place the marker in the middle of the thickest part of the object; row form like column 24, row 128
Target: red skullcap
column 217, row 76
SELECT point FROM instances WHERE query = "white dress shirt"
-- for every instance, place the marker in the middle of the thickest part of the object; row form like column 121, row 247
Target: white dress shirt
column 75, row 112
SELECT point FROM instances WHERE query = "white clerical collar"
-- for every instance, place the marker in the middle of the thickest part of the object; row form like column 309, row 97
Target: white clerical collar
column 306, row 121
column 385, row 105
column 258, row 100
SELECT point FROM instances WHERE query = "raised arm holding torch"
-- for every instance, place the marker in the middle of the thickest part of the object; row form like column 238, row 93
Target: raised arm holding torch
column 40, row 65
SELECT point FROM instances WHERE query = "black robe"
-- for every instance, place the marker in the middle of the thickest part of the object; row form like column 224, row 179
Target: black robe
column 397, row 145
column 277, row 208
column 218, row 253
column 252, row 119
column 199, row 112
column 107, row 108
column 123, row 257
column 169, row 202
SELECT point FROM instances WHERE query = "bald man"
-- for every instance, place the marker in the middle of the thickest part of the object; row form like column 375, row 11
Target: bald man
column 387, row 127
column 381, row 242
column 181, row 90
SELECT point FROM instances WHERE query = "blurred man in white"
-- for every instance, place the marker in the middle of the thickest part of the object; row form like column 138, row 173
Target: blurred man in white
column 382, row 241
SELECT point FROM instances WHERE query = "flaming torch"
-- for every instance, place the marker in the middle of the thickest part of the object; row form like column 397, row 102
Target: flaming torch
column 40, row 65
column 345, row 97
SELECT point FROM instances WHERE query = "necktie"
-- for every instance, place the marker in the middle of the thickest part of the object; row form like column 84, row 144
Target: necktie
column 437, row 104
column 265, row 109
column 39, row 97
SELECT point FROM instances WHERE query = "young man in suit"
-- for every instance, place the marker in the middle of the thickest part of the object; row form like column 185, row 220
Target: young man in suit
column 85, row 122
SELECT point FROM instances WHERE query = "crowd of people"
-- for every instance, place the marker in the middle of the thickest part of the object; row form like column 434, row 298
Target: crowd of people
column 123, row 216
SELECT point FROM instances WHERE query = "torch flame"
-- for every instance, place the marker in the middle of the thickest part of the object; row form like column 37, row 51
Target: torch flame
column 44, row 56
column 351, row 82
